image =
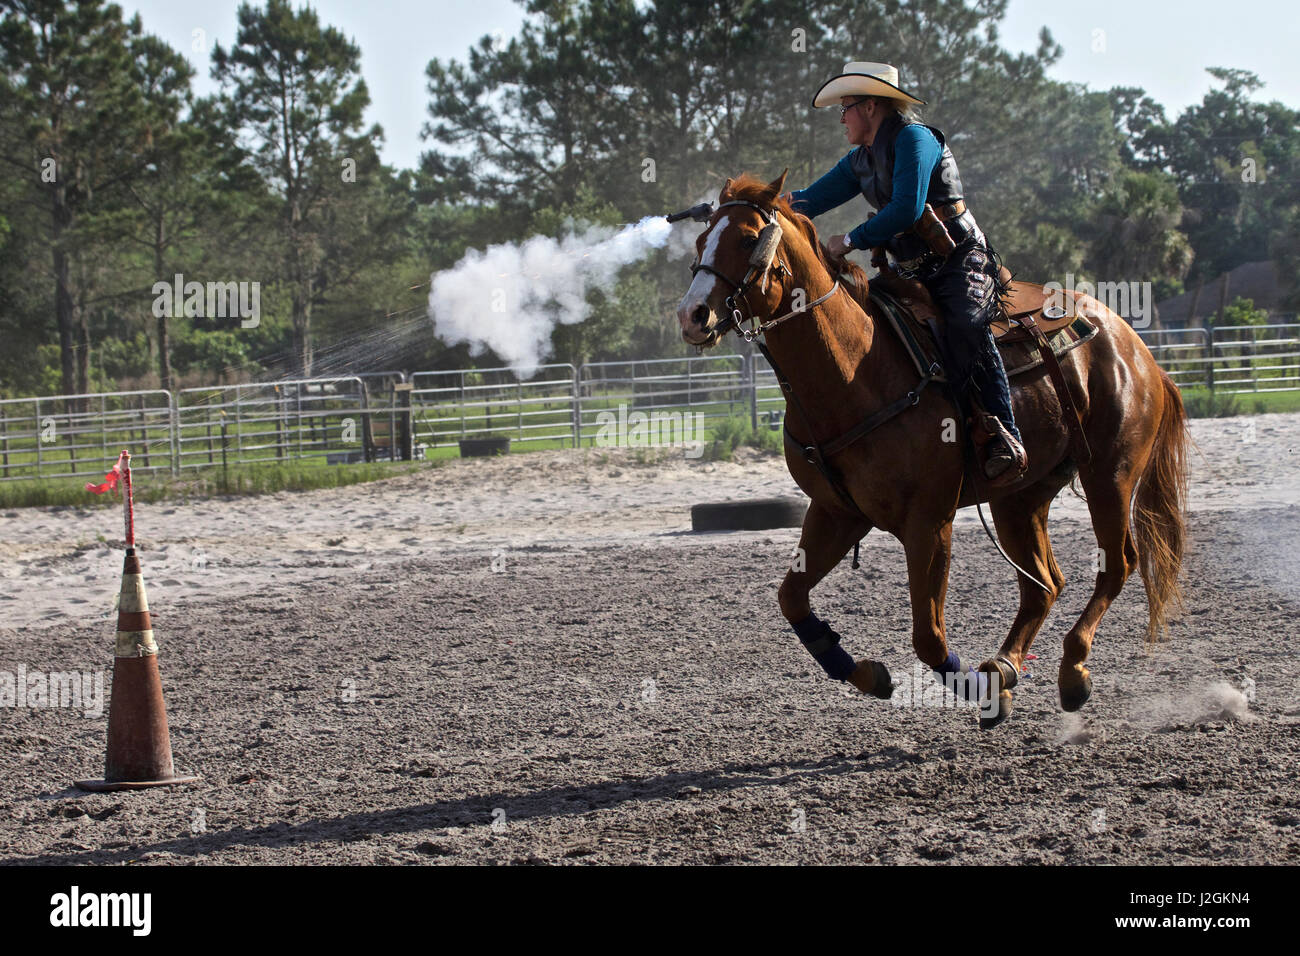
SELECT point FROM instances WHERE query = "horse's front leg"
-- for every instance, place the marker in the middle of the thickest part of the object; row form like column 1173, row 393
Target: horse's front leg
column 929, row 552
column 827, row 536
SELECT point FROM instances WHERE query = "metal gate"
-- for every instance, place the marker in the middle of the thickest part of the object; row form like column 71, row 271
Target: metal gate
column 63, row 436
column 494, row 402
column 715, row 387
column 274, row 421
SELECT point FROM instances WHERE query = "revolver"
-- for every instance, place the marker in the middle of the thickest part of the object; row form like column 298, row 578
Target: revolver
column 699, row 213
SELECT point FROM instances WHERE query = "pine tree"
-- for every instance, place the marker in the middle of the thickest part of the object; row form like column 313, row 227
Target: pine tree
column 292, row 89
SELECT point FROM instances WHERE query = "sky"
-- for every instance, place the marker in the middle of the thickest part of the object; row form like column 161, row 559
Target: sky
column 1163, row 47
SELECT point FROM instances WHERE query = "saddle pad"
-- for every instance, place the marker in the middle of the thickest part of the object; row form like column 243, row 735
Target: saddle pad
column 1019, row 351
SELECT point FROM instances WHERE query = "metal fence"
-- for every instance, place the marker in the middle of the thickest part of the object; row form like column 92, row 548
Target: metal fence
column 1254, row 358
column 63, row 436
column 243, row 424
column 1234, row 359
column 655, row 396
column 382, row 415
column 494, row 402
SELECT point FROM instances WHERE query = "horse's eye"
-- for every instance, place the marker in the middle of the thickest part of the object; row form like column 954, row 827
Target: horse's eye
column 749, row 242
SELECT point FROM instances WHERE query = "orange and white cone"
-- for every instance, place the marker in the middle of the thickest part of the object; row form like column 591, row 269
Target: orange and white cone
column 139, row 745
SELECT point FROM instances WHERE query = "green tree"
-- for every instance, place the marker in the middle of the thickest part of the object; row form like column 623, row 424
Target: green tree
column 529, row 120
column 1137, row 230
column 26, row 307
column 1236, row 162
column 292, row 89
column 1138, row 118
column 173, row 204
column 1242, row 311
column 78, row 115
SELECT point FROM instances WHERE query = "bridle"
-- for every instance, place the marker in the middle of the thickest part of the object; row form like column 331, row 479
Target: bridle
column 760, row 263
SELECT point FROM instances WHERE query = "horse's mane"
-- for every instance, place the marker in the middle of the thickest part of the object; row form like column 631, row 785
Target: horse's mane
column 752, row 189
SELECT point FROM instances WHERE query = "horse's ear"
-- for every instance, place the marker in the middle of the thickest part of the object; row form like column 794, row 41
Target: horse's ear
column 777, row 186
column 726, row 188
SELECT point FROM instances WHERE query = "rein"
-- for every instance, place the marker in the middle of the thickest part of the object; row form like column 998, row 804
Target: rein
column 757, row 328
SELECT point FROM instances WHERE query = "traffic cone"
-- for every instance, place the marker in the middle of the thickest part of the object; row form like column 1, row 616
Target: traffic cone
column 139, row 746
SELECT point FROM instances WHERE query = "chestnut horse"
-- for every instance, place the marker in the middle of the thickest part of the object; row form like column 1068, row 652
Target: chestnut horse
column 909, row 477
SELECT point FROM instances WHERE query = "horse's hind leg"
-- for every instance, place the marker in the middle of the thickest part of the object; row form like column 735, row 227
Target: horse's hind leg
column 1021, row 522
column 1116, row 557
column 826, row 538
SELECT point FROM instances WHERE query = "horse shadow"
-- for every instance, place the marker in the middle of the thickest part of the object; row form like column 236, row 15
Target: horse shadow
column 477, row 809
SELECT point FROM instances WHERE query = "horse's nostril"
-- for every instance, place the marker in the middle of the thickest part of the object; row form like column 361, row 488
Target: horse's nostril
column 701, row 314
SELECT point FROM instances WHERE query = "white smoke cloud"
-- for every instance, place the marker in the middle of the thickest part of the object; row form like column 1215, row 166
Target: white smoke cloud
column 509, row 297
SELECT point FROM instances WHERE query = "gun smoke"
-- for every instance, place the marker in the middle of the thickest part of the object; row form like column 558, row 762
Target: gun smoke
column 510, row 297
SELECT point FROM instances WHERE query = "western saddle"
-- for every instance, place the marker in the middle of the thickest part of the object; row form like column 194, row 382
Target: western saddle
column 1032, row 330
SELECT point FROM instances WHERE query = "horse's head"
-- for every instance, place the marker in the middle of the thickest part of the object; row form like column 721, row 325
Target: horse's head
column 734, row 257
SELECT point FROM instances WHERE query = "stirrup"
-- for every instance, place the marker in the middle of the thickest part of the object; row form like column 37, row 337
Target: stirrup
column 1017, row 459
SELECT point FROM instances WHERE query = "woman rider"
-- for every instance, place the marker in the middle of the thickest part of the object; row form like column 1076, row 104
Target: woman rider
column 899, row 165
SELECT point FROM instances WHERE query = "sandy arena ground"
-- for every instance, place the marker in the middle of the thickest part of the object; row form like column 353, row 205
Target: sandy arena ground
column 533, row 659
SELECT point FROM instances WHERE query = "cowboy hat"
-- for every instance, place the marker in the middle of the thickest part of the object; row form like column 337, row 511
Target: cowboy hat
column 864, row 79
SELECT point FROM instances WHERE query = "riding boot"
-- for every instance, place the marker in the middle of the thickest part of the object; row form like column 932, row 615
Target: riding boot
column 996, row 449
column 966, row 289
column 1005, row 458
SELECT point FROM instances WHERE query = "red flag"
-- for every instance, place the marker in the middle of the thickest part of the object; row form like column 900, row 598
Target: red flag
column 111, row 479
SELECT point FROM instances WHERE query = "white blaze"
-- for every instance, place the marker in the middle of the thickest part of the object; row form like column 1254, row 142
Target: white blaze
column 703, row 284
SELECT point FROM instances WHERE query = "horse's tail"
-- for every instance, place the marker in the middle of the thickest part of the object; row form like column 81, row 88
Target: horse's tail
column 1159, row 519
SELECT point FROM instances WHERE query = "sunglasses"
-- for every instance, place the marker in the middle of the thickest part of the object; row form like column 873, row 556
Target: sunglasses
column 858, row 102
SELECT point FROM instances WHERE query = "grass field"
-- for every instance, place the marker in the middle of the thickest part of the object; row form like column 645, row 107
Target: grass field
column 1202, row 403
column 207, row 482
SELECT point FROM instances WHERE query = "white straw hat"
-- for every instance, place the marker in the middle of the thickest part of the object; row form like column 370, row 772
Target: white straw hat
column 864, row 79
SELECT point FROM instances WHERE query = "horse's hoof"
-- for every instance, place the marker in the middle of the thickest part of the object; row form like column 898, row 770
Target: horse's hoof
column 1075, row 694
column 872, row 677
column 992, row 714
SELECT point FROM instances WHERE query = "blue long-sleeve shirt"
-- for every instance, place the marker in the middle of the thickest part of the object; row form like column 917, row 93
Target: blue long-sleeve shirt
column 916, row 152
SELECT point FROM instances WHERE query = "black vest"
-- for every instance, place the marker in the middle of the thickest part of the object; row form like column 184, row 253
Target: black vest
column 874, row 167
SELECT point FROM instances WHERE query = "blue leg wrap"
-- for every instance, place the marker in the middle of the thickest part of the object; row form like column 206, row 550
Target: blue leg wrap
column 824, row 645
column 952, row 665
column 968, row 685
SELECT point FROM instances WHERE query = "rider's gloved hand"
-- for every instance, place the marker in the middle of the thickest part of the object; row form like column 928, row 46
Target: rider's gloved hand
column 839, row 246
